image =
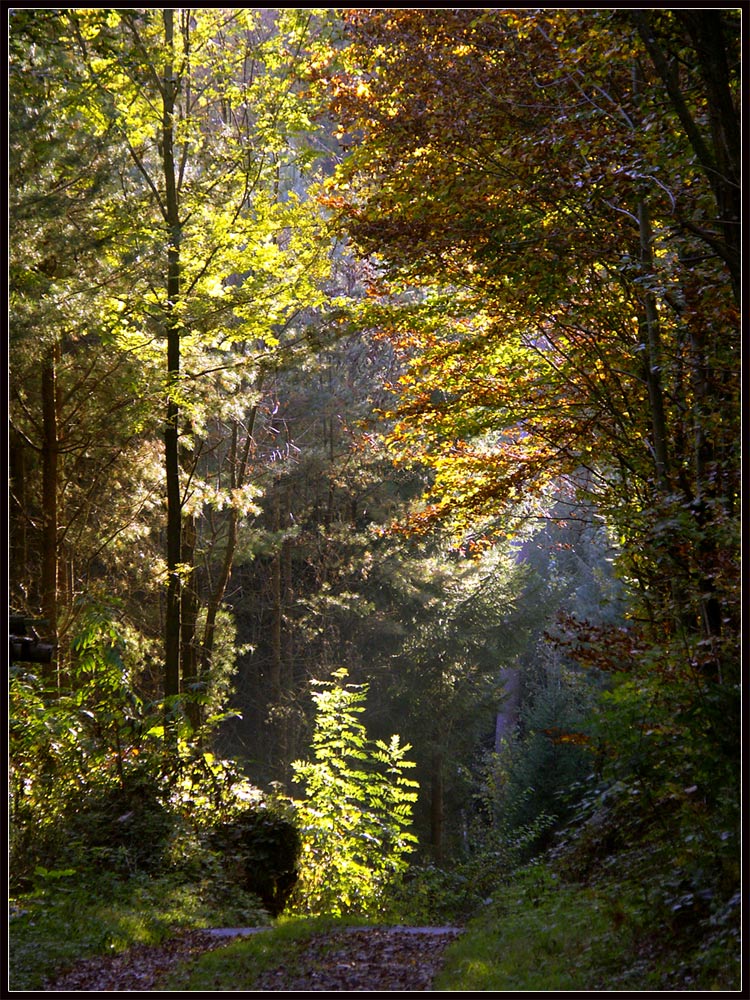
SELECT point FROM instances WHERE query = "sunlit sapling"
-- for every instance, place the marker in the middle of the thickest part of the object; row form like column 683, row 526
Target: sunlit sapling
column 355, row 818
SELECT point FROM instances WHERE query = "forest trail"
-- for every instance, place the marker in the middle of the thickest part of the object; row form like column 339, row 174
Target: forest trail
column 356, row 959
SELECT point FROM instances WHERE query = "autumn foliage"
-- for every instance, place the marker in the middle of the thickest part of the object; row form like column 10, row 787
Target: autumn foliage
column 404, row 342
column 552, row 191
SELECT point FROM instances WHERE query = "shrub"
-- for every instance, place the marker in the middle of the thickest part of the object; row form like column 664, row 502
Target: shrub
column 260, row 850
column 355, row 819
column 97, row 782
column 123, row 826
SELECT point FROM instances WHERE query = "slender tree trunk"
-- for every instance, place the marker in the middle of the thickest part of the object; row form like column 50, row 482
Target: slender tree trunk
column 283, row 640
column 276, row 606
column 651, row 334
column 651, row 328
column 287, row 679
column 171, row 430
column 189, row 622
column 50, row 476
column 238, row 469
column 189, row 598
column 19, row 550
column 436, row 806
column 215, row 599
column 219, row 588
column 708, row 485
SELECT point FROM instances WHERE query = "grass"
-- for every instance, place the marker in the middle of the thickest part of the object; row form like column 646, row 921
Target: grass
column 237, row 966
column 536, row 934
column 539, row 934
column 69, row 919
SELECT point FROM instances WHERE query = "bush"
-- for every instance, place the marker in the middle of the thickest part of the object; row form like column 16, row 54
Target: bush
column 101, row 782
column 354, row 821
column 121, row 827
column 433, row 895
column 259, row 849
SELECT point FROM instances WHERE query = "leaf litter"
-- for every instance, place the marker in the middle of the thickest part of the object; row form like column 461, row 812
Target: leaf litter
column 372, row 959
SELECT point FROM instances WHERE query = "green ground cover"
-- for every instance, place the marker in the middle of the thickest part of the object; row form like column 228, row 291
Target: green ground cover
column 536, row 933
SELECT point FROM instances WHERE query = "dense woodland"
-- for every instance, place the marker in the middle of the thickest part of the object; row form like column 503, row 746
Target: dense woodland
column 377, row 372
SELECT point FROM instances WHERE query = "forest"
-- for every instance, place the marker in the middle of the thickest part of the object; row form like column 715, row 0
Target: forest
column 374, row 487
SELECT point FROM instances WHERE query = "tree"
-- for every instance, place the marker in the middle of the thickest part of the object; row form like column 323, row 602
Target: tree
column 712, row 39
column 211, row 257
column 455, row 630
column 78, row 405
column 557, row 275
column 308, row 566
column 538, row 179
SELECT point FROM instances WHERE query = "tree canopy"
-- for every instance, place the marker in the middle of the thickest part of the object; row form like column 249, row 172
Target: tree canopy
column 554, row 192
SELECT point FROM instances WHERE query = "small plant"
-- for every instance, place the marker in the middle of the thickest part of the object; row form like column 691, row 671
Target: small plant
column 354, row 821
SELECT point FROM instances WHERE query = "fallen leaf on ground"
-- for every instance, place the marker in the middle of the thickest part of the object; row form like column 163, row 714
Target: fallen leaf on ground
column 372, row 959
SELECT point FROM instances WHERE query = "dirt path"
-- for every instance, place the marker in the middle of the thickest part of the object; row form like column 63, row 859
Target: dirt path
column 400, row 959
column 137, row 970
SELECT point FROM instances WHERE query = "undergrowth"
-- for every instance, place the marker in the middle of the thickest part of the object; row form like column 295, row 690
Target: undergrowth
column 540, row 933
column 69, row 918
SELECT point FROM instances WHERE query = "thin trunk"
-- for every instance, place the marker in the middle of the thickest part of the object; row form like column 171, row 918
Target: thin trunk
column 287, row 583
column 50, row 475
column 651, row 328
column 436, row 806
column 238, row 467
column 287, row 647
column 188, row 623
column 189, row 601
column 17, row 515
column 277, row 609
column 171, row 431
column 651, row 333
column 707, row 483
column 215, row 599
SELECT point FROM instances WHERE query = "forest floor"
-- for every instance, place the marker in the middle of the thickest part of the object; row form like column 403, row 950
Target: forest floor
column 362, row 959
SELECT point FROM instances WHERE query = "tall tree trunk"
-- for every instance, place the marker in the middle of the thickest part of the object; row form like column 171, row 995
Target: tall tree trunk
column 287, row 654
column 276, row 606
column 50, row 476
column 276, row 694
column 172, row 330
column 437, row 806
column 19, row 551
column 188, row 622
column 189, row 599
column 652, row 340
column 238, row 460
